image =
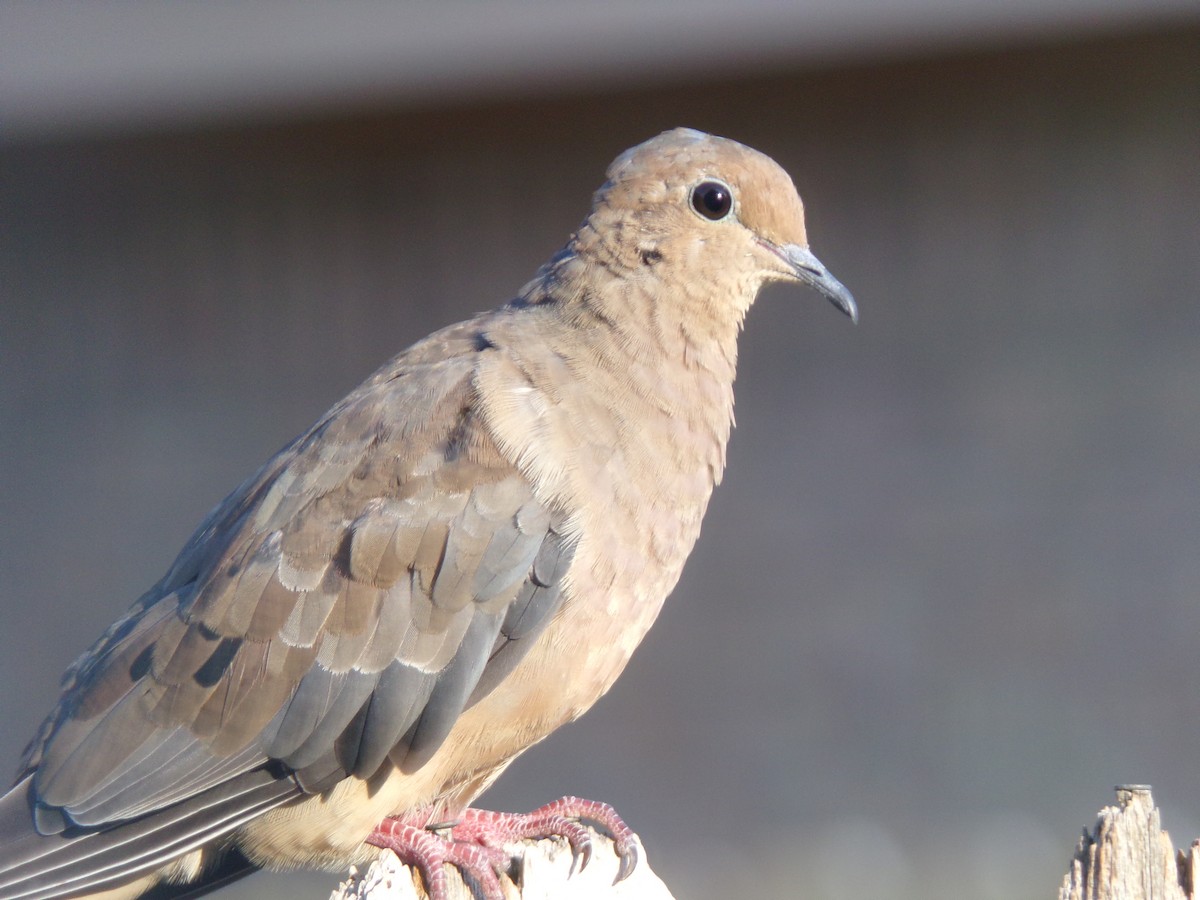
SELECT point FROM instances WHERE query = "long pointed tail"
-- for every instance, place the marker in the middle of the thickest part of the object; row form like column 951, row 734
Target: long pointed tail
column 84, row 861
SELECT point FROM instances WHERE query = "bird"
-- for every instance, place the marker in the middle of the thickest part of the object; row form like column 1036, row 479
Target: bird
column 455, row 560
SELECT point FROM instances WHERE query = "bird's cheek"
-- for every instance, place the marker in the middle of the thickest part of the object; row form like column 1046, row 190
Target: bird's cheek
column 765, row 264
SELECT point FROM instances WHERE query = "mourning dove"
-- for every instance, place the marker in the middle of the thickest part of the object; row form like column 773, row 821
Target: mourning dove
column 455, row 560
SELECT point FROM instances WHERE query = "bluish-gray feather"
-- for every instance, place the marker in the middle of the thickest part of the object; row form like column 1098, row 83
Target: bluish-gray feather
column 352, row 692
column 402, row 693
column 454, row 685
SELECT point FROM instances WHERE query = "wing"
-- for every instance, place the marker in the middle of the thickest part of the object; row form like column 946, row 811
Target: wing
column 340, row 609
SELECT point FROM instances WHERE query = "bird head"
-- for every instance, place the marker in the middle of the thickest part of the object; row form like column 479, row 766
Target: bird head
column 691, row 208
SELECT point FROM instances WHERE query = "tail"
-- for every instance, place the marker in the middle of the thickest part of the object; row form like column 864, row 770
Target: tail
column 83, row 861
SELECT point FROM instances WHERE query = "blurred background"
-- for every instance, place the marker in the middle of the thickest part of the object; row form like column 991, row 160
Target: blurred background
column 949, row 593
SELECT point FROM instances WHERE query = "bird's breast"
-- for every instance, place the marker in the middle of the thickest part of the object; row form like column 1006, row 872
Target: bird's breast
column 628, row 450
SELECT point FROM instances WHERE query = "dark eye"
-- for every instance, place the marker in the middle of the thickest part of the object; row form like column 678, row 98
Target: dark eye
column 712, row 200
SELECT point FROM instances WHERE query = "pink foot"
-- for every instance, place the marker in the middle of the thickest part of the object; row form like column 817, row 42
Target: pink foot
column 430, row 853
column 475, row 841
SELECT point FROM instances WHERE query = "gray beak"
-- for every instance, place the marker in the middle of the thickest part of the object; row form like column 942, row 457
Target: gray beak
column 812, row 272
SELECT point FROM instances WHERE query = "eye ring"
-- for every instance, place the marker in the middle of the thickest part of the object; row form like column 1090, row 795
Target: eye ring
column 712, row 199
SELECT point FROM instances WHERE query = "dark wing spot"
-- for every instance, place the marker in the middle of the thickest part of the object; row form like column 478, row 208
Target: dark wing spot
column 141, row 665
column 214, row 667
column 341, row 558
column 456, row 440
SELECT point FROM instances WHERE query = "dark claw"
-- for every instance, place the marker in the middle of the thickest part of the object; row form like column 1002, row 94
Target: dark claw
column 577, row 836
column 629, row 860
column 581, row 855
